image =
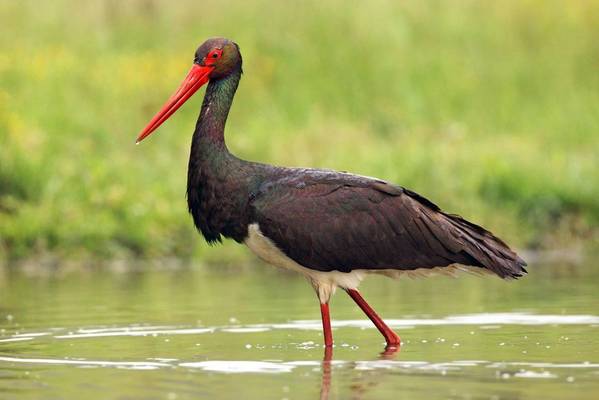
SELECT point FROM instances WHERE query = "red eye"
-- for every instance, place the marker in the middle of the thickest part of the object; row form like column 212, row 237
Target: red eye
column 211, row 57
column 214, row 54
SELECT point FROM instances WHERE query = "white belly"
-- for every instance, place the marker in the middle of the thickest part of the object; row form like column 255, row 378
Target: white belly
column 324, row 282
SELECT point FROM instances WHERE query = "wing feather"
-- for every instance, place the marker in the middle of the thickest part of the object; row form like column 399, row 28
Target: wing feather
column 343, row 223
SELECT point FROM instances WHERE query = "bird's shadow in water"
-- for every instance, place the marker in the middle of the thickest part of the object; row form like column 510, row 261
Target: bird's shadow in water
column 389, row 353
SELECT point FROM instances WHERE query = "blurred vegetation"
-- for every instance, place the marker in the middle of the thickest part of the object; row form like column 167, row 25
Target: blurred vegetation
column 490, row 109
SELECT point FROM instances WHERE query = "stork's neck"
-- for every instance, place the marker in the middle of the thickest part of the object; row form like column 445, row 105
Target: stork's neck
column 209, row 135
column 209, row 157
column 209, row 177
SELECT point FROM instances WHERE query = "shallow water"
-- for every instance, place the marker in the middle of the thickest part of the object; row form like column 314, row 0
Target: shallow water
column 254, row 332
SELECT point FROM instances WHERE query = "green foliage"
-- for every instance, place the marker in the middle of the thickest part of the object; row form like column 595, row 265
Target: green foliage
column 489, row 109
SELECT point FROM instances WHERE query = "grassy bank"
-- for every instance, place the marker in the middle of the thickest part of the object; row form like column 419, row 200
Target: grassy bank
column 489, row 109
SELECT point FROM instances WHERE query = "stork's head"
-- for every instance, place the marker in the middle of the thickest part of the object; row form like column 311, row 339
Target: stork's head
column 216, row 58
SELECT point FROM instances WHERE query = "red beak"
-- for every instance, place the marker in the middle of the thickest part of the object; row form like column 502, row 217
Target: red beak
column 197, row 76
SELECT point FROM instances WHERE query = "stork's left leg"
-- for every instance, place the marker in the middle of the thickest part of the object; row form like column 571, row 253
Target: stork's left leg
column 390, row 336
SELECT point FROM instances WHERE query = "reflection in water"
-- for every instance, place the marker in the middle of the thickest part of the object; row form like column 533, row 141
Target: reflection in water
column 325, row 386
column 384, row 362
column 353, row 379
column 358, row 389
column 389, row 352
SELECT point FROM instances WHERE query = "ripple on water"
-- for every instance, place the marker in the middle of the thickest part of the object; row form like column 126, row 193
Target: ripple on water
column 87, row 363
column 525, row 370
column 514, row 368
column 535, row 375
column 485, row 320
column 136, row 332
column 232, row 367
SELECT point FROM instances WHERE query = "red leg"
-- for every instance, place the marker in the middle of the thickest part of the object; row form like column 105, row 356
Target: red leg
column 326, row 324
column 390, row 336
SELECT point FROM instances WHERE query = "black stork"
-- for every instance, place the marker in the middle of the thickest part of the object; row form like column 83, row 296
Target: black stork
column 334, row 228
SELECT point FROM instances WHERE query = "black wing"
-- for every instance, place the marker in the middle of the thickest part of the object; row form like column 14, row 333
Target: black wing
column 332, row 221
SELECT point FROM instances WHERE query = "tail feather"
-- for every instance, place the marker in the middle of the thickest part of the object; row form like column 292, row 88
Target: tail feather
column 488, row 250
column 477, row 246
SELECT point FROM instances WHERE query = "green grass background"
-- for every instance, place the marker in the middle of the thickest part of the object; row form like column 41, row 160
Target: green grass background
column 490, row 109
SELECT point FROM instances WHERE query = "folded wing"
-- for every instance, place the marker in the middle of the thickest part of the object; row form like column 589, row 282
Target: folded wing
column 333, row 221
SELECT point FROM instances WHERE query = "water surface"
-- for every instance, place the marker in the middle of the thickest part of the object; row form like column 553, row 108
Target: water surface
column 254, row 332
